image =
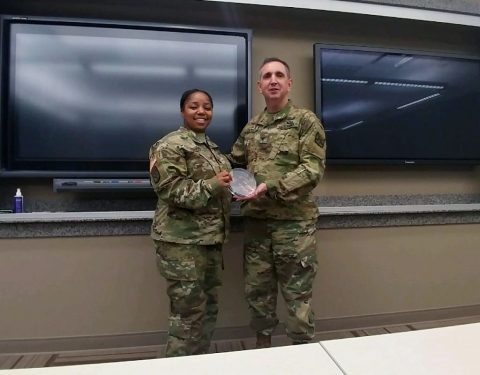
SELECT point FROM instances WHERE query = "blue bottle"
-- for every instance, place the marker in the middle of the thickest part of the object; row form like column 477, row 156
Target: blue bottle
column 18, row 202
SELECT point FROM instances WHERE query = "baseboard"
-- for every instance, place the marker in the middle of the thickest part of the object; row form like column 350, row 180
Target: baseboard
column 58, row 344
column 398, row 318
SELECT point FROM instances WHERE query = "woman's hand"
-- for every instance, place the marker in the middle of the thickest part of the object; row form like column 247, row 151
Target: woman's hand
column 224, row 178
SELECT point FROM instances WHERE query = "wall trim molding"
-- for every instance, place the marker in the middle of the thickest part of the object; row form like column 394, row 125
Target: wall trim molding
column 333, row 214
column 59, row 344
column 355, row 7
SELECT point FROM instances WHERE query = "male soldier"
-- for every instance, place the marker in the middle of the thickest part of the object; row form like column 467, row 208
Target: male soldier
column 284, row 147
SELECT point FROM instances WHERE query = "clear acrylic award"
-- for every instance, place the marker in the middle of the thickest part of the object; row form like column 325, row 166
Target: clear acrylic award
column 243, row 182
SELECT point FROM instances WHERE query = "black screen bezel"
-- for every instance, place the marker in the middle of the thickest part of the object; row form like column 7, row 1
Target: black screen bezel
column 112, row 168
column 317, row 47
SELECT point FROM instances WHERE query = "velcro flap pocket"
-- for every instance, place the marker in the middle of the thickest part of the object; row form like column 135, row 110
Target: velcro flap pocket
column 177, row 269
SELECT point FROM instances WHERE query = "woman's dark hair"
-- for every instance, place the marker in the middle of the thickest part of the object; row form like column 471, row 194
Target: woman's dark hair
column 187, row 94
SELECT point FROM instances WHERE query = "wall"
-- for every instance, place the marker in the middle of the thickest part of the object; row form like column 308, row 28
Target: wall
column 460, row 6
column 67, row 287
column 64, row 287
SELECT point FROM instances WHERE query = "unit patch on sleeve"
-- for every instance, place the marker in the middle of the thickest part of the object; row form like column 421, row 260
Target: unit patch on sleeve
column 319, row 140
column 155, row 174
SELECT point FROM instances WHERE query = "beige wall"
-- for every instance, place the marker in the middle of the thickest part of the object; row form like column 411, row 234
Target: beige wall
column 109, row 285
column 347, row 181
column 79, row 286
column 385, row 270
column 65, row 287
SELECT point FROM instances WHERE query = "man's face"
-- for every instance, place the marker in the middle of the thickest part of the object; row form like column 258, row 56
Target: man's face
column 274, row 83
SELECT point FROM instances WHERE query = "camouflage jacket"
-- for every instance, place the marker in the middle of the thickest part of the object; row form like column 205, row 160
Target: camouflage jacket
column 192, row 208
column 286, row 150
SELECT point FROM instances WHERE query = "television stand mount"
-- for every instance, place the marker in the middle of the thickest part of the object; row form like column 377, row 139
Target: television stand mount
column 100, row 184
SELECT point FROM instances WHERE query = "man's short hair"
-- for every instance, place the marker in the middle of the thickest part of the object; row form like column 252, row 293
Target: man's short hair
column 275, row 59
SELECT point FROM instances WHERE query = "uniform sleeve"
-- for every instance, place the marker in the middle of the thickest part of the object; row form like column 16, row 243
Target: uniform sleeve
column 238, row 157
column 312, row 149
column 168, row 176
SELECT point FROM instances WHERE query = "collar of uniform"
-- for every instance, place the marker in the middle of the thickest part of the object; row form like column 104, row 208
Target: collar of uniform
column 269, row 118
column 197, row 137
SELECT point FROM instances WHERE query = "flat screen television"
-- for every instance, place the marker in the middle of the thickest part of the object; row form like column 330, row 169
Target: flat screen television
column 397, row 107
column 89, row 98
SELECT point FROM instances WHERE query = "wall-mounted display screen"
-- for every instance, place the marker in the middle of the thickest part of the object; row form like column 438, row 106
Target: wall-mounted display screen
column 93, row 97
column 382, row 106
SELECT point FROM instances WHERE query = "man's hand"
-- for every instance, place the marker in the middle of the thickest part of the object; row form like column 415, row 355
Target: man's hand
column 259, row 192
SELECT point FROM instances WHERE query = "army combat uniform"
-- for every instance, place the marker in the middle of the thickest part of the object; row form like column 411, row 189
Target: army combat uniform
column 285, row 150
column 190, row 224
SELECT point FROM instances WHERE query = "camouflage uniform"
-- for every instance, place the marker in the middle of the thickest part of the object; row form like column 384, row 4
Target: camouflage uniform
column 190, row 224
column 285, row 150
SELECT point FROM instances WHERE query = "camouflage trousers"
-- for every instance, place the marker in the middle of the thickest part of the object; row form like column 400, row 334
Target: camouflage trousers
column 192, row 273
column 280, row 253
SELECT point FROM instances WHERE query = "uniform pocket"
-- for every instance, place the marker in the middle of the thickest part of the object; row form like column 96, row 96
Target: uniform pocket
column 277, row 145
column 309, row 261
column 178, row 327
column 286, row 145
column 177, row 269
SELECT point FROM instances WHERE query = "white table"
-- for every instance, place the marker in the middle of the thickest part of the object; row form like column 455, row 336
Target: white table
column 306, row 359
column 450, row 350
column 440, row 351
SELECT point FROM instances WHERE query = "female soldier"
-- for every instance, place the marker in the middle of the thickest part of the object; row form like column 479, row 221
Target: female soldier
column 190, row 177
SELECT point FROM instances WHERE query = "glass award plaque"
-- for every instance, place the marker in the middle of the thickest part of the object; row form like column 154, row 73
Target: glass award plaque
column 243, row 182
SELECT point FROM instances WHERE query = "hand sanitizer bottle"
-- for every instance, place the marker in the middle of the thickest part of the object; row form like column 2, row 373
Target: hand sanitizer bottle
column 18, row 199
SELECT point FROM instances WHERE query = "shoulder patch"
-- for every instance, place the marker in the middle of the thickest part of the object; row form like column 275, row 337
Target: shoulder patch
column 155, row 174
column 319, row 140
